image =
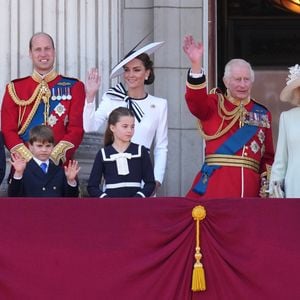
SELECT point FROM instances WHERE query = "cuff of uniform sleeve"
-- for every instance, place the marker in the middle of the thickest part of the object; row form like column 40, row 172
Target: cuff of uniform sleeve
column 195, row 80
column 103, row 195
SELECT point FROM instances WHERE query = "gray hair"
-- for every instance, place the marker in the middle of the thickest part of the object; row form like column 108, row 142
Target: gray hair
column 235, row 62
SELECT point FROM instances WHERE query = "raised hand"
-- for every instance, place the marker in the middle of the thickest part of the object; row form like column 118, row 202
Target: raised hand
column 71, row 171
column 92, row 84
column 194, row 51
column 19, row 164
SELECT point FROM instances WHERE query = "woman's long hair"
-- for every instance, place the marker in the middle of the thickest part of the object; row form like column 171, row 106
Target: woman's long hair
column 114, row 117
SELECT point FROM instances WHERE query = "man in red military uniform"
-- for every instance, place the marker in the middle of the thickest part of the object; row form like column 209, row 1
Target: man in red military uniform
column 237, row 131
column 45, row 97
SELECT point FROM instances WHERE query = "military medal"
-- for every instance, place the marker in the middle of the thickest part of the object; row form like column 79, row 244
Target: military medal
column 52, row 120
column 60, row 109
column 64, row 96
column 53, row 97
column 256, row 118
column 69, row 96
column 58, row 97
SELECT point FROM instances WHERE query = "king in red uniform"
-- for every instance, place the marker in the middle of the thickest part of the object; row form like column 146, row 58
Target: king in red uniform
column 237, row 131
column 43, row 98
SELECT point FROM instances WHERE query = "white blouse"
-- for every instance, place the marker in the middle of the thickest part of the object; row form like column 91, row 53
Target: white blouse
column 151, row 131
column 286, row 166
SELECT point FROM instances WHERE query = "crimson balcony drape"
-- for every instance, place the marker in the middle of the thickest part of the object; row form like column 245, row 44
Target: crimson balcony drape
column 144, row 249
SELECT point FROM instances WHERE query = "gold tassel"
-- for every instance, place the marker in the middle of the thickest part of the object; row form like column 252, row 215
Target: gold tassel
column 198, row 279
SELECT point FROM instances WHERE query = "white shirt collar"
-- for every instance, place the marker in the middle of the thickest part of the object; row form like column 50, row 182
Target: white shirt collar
column 39, row 161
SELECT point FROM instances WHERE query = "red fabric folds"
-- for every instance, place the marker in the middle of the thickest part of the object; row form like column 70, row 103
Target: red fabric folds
column 144, row 249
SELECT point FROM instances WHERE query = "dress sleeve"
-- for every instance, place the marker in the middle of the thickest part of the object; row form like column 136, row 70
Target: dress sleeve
column 94, row 118
column 279, row 166
column 95, row 178
column 160, row 147
column 147, row 174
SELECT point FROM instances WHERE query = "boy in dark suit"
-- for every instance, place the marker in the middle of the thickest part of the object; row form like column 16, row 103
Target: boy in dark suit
column 40, row 177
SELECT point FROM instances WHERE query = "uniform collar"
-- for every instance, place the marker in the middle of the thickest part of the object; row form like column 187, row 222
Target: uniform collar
column 47, row 77
column 237, row 102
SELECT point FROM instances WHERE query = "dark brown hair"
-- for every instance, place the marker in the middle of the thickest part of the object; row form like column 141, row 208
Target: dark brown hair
column 114, row 117
column 42, row 134
column 148, row 63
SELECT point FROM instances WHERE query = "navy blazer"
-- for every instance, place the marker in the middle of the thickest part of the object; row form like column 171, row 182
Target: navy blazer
column 35, row 183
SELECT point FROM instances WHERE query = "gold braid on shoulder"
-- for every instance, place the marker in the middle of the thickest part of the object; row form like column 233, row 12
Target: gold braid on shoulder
column 25, row 102
column 41, row 92
column 233, row 115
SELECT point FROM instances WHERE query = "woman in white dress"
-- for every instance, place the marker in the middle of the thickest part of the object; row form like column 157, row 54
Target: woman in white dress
column 285, row 173
column 151, row 126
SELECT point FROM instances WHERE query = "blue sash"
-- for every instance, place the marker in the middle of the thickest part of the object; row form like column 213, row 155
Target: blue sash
column 233, row 144
column 60, row 88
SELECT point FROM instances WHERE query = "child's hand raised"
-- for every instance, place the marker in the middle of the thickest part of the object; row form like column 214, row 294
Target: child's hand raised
column 71, row 171
column 19, row 164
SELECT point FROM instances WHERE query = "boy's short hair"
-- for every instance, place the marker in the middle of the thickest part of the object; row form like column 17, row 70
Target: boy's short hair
column 42, row 134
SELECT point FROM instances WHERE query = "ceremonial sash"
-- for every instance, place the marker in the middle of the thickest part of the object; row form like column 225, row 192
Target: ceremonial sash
column 233, row 144
column 120, row 92
column 61, row 91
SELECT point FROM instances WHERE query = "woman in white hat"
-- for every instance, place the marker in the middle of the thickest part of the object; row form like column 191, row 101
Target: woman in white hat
column 285, row 173
column 151, row 127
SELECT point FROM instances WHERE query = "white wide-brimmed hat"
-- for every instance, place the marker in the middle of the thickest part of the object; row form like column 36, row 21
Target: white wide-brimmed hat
column 149, row 49
column 291, row 92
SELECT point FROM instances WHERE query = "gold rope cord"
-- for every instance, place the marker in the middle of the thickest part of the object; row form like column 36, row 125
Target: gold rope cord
column 42, row 91
column 23, row 102
column 224, row 114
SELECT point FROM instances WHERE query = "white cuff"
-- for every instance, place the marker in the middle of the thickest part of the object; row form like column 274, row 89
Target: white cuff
column 141, row 194
column 196, row 75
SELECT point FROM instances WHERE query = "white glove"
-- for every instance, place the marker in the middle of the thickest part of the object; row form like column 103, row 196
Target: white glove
column 276, row 190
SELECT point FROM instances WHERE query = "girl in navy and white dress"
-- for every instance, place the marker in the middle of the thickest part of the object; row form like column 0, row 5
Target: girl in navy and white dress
column 121, row 168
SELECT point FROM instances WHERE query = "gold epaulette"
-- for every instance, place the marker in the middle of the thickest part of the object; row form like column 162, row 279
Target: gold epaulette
column 22, row 150
column 59, row 151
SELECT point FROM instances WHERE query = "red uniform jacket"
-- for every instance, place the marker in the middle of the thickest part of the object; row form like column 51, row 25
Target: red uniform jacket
column 65, row 119
column 228, row 181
